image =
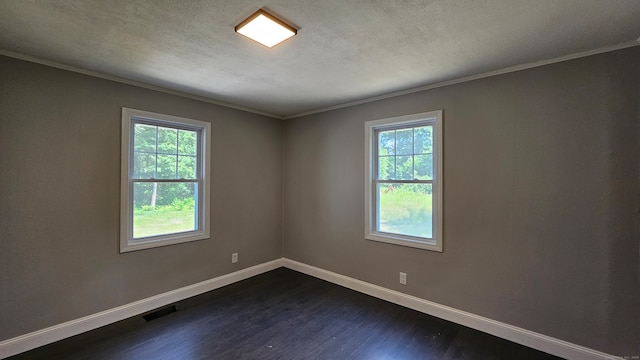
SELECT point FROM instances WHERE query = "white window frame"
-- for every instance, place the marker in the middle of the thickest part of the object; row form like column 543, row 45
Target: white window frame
column 127, row 241
column 433, row 118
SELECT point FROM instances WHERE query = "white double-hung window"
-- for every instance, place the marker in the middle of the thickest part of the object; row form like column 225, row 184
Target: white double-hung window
column 403, row 180
column 165, row 180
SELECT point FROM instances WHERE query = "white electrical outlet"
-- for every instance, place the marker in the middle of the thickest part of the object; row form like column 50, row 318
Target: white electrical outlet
column 234, row 258
column 403, row 278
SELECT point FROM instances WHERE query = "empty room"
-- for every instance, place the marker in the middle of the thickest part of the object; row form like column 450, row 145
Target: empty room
column 298, row 179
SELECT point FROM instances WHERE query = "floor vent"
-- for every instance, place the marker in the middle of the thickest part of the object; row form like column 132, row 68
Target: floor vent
column 160, row 312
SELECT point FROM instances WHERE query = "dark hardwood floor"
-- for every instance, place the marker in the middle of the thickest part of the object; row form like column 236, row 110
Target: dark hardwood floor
column 284, row 314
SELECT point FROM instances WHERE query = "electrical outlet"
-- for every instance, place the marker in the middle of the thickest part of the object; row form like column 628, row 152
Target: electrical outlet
column 234, row 258
column 403, row 278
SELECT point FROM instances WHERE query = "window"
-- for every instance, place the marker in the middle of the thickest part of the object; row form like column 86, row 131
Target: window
column 165, row 180
column 403, row 180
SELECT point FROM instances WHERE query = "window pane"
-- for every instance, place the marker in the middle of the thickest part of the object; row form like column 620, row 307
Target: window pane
column 144, row 165
column 144, row 138
column 405, row 209
column 187, row 142
column 167, row 141
column 387, row 143
column 386, row 168
column 186, row 167
column 404, row 139
column 423, row 167
column 166, row 166
column 423, row 140
column 404, row 167
column 163, row 208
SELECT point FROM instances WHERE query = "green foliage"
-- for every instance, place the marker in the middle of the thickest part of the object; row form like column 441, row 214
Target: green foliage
column 176, row 205
column 406, row 154
column 405, row 203
column 163, row 153
column 406, row 209
column 143, row 208
column 183, row 204
column 166, row 193
column 165, row 221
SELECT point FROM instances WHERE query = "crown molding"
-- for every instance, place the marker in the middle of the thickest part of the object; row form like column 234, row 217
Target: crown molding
column 133, row 82
column 507, row 70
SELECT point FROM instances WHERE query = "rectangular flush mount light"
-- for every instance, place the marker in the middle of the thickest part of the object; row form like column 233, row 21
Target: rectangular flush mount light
column 265, row 29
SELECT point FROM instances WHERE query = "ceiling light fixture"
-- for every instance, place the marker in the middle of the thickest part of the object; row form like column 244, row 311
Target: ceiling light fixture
column 265, row 29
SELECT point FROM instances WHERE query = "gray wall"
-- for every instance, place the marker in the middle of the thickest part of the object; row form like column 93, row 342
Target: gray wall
column 541, row 199
column 60, row 194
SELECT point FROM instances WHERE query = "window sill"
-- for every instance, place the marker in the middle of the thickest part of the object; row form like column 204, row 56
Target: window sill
column 431, row 245
column 152, row 242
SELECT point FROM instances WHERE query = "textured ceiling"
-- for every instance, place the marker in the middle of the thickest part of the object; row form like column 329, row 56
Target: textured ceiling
column 345, row 50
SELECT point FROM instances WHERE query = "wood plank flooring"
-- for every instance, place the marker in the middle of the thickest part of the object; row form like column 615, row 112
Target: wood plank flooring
column 284, row 314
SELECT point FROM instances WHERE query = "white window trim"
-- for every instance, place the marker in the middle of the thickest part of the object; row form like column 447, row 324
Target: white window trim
column 434, row 244
column 127, row 242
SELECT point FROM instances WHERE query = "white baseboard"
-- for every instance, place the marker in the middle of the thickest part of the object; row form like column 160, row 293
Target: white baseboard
column 518, row 335
column 55, row 333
